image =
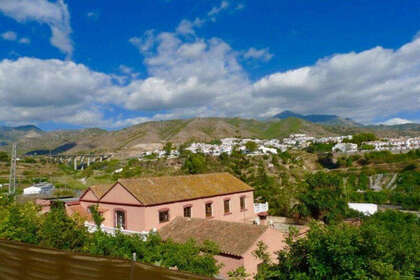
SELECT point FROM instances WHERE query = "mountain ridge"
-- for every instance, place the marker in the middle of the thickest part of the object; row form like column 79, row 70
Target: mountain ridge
column 318, row 118
column 131, row 140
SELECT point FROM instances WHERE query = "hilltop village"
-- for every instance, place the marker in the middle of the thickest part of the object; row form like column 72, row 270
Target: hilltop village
column 253, row 147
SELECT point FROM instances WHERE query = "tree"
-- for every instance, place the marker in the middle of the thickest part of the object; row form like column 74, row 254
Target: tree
column 167, row 148
column 20, row 223
column 322, row 197
column 251, row 146
column 195, row 163
column 4, row 157
column 262, row 255
column 59, row 231
column 360, row 138
column 238, row 274
column 385, row 246
column 97, row 217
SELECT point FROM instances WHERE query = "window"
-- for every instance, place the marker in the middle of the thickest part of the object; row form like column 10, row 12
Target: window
column 208, row 209
column 120, row 219
column 243, row 203
column 187, row 211
column 163, row 216
column 226, row 204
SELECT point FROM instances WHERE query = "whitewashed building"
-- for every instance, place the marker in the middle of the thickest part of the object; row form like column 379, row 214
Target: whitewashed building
column 345, row 147
column 40, row 188
column 365, row 208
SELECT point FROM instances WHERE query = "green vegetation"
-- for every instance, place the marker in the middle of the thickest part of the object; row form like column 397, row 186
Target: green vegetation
column 360, row 138
column 320, row 148
column 167, row 148
column 388, row 157
column 195, row 163
column 251, row 146
column 322, row 198
column 384, row 246
column 365, row 147
column 4, row 157
column 57, row 230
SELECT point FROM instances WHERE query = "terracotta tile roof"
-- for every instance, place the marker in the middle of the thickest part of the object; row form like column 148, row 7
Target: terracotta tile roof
column 232, row 238
column 100, row 189
column 157, row 190
column 83, row 213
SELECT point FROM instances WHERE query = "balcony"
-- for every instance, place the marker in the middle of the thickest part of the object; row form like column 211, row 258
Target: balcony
column 260, row 207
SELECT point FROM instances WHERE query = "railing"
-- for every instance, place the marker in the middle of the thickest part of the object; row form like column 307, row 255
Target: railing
column 260, row 207
column 111, row 230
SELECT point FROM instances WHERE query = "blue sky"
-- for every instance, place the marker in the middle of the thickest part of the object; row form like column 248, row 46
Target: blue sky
column 70, row 64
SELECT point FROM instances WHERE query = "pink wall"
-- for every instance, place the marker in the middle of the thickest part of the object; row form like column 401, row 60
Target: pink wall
column 229, row 264
column 118, row 194
column 89, row 196
column 274, row 239
column 140, row 218
column 198, row 209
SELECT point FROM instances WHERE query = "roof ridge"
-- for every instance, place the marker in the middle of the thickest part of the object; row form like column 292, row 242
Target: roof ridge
column 169, row 176
column 169, row 189
column 180, row 229
column 222, row 221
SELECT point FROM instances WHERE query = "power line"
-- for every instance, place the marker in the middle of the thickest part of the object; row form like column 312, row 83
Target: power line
column 12, row 178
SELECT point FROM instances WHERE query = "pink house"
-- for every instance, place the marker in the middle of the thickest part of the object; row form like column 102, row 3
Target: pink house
column 144, row 204
column 236, row 241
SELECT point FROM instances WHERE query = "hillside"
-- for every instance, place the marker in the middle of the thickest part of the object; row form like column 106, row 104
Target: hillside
column 10, row 134
column 152, row 135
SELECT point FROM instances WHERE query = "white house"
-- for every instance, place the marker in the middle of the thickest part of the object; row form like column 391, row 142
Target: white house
column 345, row 147
column 40, row 188
column 365, row 208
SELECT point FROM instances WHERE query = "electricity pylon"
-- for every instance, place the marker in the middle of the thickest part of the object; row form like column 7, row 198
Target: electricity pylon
column 12, row 178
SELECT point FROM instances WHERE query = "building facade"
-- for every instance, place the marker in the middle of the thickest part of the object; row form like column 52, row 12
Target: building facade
column 146, row 204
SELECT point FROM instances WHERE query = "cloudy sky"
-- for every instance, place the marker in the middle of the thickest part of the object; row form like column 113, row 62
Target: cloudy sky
column 111, row 64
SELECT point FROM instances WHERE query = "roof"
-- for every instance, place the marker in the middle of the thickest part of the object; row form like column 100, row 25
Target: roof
column 158, row 190
column 83, row 213
column 232, row 238
column 100, row 189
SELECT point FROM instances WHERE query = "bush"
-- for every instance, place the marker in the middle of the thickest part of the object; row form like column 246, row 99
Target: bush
column 322, row 197
column 385, row 246
column 4, row 157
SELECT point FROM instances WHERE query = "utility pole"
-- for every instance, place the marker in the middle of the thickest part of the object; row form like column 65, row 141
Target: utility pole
column 12, row 178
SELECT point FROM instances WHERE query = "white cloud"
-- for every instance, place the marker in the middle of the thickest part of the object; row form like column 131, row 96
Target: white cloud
column 186, row 27
column 192, row 76
column 240, row 6
column 9, row 36
column 144, row 43
column 54, row 14
column 93, row 15
column 12, row 36
column 215, row 10
column 35, row 90
column 396, row 121
column 185, row 74
column 376, row 82
column 262, row 54
column 24, row 41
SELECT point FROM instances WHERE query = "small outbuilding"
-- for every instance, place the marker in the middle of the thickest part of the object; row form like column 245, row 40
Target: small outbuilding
column 39, row 188
column 236, row 241
column 365, row 208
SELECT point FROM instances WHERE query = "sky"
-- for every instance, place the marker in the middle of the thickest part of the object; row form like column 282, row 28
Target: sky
column 111, row 64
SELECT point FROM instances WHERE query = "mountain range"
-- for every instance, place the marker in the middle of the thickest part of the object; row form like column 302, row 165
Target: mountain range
column 320, row 119
column 151, row 135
